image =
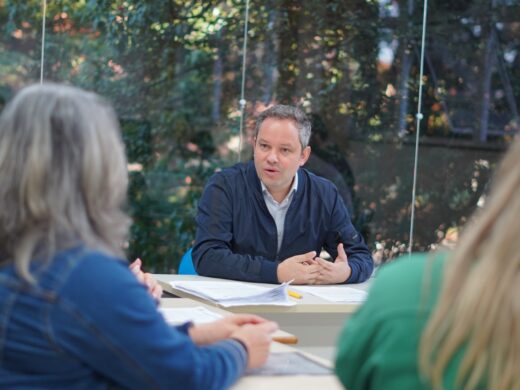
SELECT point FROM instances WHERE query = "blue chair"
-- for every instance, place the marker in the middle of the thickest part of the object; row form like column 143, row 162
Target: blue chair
column 186, row 266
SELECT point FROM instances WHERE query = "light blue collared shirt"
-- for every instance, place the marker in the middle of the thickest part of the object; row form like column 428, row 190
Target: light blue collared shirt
column 279, row 210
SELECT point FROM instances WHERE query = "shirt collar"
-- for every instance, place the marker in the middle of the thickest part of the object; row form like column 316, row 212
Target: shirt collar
column 294, row 187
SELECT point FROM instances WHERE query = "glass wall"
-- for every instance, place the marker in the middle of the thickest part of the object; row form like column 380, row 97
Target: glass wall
column 173, row 70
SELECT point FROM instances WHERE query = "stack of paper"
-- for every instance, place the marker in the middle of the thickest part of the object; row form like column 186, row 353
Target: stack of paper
column 341, row 294
column 231, row 293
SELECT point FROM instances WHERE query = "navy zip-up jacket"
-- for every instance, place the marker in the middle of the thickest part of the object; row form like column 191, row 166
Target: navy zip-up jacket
column 236, row 235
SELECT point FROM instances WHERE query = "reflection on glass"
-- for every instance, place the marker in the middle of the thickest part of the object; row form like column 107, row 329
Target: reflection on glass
column 173, row 70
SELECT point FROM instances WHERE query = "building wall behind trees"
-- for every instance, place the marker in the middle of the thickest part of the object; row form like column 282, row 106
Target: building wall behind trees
column 173, row 70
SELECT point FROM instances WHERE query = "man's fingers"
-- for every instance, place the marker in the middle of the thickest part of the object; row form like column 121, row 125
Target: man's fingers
column 312, row 268
column 324, row 264
column 324, row 278
column 309, row 256
column 342, row 256
column 309, row 261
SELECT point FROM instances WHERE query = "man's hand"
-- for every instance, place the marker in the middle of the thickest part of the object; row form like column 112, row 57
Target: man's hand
column 337, row 272
column 301, row 269
column 154, row 288
column 222, row 329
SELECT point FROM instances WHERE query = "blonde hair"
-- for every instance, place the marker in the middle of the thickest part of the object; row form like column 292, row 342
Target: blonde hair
column 479, row 303
column 63, row 173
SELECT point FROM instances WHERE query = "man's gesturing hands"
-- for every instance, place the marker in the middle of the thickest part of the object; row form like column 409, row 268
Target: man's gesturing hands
column 309, row 269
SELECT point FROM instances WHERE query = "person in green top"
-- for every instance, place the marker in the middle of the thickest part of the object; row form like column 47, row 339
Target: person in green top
column 446, row 321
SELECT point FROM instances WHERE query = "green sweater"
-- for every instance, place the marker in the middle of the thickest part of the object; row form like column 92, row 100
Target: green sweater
column 378, row 348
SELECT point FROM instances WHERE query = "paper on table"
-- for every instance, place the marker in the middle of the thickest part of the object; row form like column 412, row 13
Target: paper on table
column 290, row 363
column 180, row 315
column 335, row 293
column 235, row 293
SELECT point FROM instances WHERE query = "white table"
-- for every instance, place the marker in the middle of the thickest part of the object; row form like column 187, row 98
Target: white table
column 315, row 321
column 300, row 382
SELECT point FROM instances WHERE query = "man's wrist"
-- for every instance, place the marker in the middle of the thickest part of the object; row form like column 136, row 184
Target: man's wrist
column 280, row 273
column 349, row 274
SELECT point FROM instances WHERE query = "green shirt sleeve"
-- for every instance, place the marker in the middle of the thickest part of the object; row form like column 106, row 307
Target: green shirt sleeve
column 378, row 346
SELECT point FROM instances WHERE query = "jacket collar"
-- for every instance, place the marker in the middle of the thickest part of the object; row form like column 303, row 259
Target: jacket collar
column 254, row 180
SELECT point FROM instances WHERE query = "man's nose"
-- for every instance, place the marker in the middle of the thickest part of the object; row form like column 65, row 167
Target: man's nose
column 272, row 157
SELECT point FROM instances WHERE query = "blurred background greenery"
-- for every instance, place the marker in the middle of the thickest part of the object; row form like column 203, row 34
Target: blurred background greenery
column 173, row 68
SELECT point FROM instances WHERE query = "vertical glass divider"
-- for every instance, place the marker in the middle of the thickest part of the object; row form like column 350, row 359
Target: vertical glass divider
column 418, row 116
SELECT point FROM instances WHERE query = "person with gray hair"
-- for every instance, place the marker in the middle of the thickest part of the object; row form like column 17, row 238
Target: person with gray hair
column 72, row 313
column 268, row 220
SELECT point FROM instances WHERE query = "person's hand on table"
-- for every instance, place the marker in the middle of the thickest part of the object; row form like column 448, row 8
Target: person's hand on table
column 301, row 269
column 154, row 288
column 222, row 329
column 333, row 273
column 257, row 339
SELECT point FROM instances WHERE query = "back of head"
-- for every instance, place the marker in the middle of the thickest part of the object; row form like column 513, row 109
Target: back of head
column 63, row 172
column 479, row 307
column 294, row 114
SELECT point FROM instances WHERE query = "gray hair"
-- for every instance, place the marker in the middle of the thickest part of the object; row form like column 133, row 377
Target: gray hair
column 294, row 114
column 64, row 177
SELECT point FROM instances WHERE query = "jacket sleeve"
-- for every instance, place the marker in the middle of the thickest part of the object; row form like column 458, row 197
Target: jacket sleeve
column 342, row 230
column 106, row 319
column 212, row 252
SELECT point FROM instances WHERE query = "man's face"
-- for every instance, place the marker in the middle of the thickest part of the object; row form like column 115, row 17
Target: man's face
column 278, row 154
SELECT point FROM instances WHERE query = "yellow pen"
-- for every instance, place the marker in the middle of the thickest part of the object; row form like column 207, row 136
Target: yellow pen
column 294, row 294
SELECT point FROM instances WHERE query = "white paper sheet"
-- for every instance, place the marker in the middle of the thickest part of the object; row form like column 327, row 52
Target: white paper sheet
column 197, row 314
column 334, row 293
column 290, row 363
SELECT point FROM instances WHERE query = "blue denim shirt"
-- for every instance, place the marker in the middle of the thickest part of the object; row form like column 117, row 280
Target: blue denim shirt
column 88, row 323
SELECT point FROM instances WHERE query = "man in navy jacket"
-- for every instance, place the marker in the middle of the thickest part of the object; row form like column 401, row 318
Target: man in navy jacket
column 268, row 220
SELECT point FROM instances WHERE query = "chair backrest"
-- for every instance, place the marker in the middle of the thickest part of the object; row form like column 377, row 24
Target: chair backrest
column 186, row 266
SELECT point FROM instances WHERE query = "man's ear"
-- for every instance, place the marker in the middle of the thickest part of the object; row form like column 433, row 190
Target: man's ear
column 306, row 152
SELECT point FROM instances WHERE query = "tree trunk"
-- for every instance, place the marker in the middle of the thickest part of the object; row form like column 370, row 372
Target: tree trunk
column 217, row 82
column 271, row 55
column 489, row 61
column 406, row 66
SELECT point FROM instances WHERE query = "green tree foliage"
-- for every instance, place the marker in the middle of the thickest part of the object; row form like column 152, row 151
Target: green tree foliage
column 172, row 68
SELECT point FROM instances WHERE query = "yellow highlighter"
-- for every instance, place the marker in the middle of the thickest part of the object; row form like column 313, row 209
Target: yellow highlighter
column 294, row 294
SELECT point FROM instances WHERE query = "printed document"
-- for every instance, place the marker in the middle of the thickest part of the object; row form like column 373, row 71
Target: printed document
column 230, row 293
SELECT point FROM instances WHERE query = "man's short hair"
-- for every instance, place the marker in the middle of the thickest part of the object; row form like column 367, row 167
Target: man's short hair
column 294, row 114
